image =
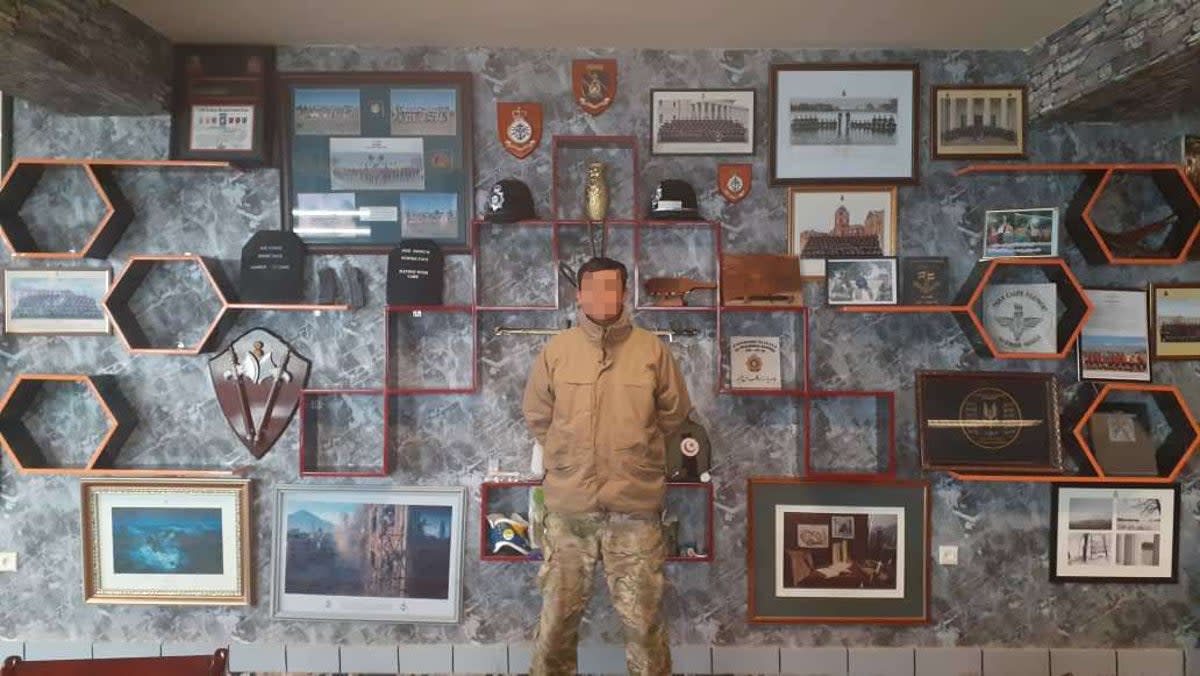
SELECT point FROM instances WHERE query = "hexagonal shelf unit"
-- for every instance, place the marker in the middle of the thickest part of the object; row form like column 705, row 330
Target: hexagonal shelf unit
column 1172, row 449
column 1070, row 320
column 117, row 304
column 21, row 444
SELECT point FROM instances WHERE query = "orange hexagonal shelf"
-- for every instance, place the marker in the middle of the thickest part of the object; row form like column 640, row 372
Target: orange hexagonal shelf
column 138, row 320
column 1070, row 321
column 22, row 238
column 28, row 448
column 1133, row 423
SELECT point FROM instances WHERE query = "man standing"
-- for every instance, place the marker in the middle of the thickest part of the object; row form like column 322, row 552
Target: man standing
column 601, row 398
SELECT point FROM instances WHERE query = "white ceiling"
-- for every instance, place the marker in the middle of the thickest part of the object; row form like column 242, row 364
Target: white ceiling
column 927, row 24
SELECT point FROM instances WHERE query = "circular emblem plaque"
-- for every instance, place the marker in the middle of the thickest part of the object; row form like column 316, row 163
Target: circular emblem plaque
column 989, row 418
column 689, row 447
column 754, row 363
column 520, row 131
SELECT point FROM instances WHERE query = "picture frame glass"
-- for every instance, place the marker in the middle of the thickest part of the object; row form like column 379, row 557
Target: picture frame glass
column 221, row 127
column 1115, row 342
column 54, row 301
column 702, row 121
column 840, row 222
column 1020, row 233
column 1177, row 322
column 979, row 122
column 861, row 281
column 1115, row 533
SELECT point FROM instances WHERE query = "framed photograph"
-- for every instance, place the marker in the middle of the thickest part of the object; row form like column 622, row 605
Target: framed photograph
column 925, row 280
column 371, row 553
column 56, row 301
column 840, row 222
column 844, row 123
column 838, row 552
column 1114, row 533
column 702, row 121
column 221, row 104
column 861, row 281
column 218, row 128
column 370, row 159
column 6, row 132
column 991, row 421
column 1176, row 321
column 168, row 542
column 978, row 122
column 1115, row 343
column 1020, row 233
column 1189, row 159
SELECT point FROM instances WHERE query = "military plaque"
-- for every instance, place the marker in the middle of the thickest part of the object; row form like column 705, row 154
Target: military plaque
column 1022, row 318
column 989, row 421
column 595, row 84
column 924, row 281
column 416, row 274
column 273, row 268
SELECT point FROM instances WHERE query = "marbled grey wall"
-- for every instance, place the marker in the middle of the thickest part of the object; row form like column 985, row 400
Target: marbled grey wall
column 999, row 595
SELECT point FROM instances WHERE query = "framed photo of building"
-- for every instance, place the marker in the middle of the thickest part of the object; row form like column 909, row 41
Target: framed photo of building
column 844, row 123
column 1114, row 533
column 168, row 542
column 1115, row 343
column 1020, row 233
column 402, row 559
column 56, row 301
column 831, row 552
column 861, row 281
column 369, row 159
column 702, row 121
column 1176, row 321
column 978, row 122
column 840, row 222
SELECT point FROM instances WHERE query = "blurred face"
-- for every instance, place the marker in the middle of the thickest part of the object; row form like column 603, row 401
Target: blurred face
column 601, row 295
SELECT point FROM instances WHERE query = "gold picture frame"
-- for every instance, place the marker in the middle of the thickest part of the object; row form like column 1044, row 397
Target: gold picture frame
column 825, row 202
column 166, row 542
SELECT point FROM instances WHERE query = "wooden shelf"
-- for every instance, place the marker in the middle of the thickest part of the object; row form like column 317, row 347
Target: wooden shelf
column 102, row 162
column 902, row 309
column 289, row 307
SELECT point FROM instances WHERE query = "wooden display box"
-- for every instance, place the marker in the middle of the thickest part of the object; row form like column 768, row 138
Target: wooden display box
column 1171, row 453
column 229, row 80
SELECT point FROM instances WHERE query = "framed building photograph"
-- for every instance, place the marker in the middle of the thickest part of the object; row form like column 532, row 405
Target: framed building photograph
column 702, row 121
column 844, row 123
column 56, row 301
column 978, row 122
column 1019, row 233
column 372, row 158
column 1115, row 343
column 1123, row 533
column 1176, row 321
column 167, row 542
column 371, row 553
column 861, row 281
column 840, row 222
column 838, row 552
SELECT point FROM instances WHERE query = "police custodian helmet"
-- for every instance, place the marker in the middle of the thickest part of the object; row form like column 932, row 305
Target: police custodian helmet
column 509, row 201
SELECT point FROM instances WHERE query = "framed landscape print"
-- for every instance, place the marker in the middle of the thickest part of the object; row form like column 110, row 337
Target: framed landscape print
column 1176, row 321
column 372, row 158
column 702, row 121
column 978, row 122
column 56, row 301
column 861, row 281
column 838, row 552
column 840, row 222
column 844, row 123
column 1115, row 343
column 174, row 541
column 389, row 554
column 1114, row 533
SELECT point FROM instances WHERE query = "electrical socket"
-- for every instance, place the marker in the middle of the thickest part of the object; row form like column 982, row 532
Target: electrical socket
column 948, row 555
column 8, row 562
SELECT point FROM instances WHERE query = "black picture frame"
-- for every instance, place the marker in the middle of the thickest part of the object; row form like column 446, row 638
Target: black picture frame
column 1100, row 491
column 831, row 265
column 447, row 160
column 910, row 267
column 657, row 145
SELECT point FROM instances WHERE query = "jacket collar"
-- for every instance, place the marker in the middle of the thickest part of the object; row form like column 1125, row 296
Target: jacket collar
column 610, row 334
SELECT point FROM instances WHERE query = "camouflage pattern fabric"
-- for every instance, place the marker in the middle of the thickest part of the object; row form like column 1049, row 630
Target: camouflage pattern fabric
column 633, row 553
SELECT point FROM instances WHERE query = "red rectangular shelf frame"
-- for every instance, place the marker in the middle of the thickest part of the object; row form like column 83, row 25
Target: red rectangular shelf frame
column 417, row 310
column 594, row 141
column 385, row 466
column 476, row 256
column 802, row 362
column 714, row 228
column 888, row 397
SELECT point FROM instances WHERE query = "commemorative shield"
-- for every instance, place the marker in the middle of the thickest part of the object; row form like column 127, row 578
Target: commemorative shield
column 733, row 181
column 258, row 380
column 595, row 84
column 520, row 127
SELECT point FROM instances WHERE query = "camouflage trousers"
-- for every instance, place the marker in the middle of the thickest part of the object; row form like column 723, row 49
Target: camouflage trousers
column 633, row 551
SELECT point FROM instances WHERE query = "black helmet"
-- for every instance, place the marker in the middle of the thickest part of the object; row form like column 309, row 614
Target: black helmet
column 674, row 200
column 510, row 201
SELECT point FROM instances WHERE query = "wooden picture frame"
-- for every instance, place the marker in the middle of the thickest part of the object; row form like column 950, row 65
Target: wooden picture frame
column 222, row 104
column 863, row 159
column 825, row 204
column 1148, row 326
column 903, row 507
column 940, row 95
column 373, row 175
column 731, row 110
column 201, row 505
column 57, row 326
column 1123, row 555
column 1158, row 293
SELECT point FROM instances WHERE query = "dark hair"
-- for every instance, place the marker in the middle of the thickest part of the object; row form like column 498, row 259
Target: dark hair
column 602, row 263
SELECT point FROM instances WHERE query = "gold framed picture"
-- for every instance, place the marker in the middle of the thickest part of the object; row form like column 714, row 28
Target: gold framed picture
column 978, row 122
column 166, row 542
column 847, row 221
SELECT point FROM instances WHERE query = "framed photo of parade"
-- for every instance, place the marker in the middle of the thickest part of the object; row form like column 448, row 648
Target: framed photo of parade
column 369, row 159
column 840, row 222
column 844, row 123
column 978, row 122
column 1176, row 334
column 56, row 301
column 1124, row 533
column 828, row 552
column 702, row 121
column 167, row 542
column 403, row 561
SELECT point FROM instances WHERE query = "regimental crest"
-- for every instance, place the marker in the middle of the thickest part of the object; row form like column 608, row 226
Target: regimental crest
column 595, row 84
column 520, row 127
column 1018, row 323
column 258, row 380
column 733, row 181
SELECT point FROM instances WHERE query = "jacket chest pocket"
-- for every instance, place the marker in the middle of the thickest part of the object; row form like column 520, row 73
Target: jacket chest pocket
column 570, row 434
column 631, row 410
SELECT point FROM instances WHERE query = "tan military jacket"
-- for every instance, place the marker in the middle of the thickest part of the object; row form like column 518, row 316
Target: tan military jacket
column 601, row 400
